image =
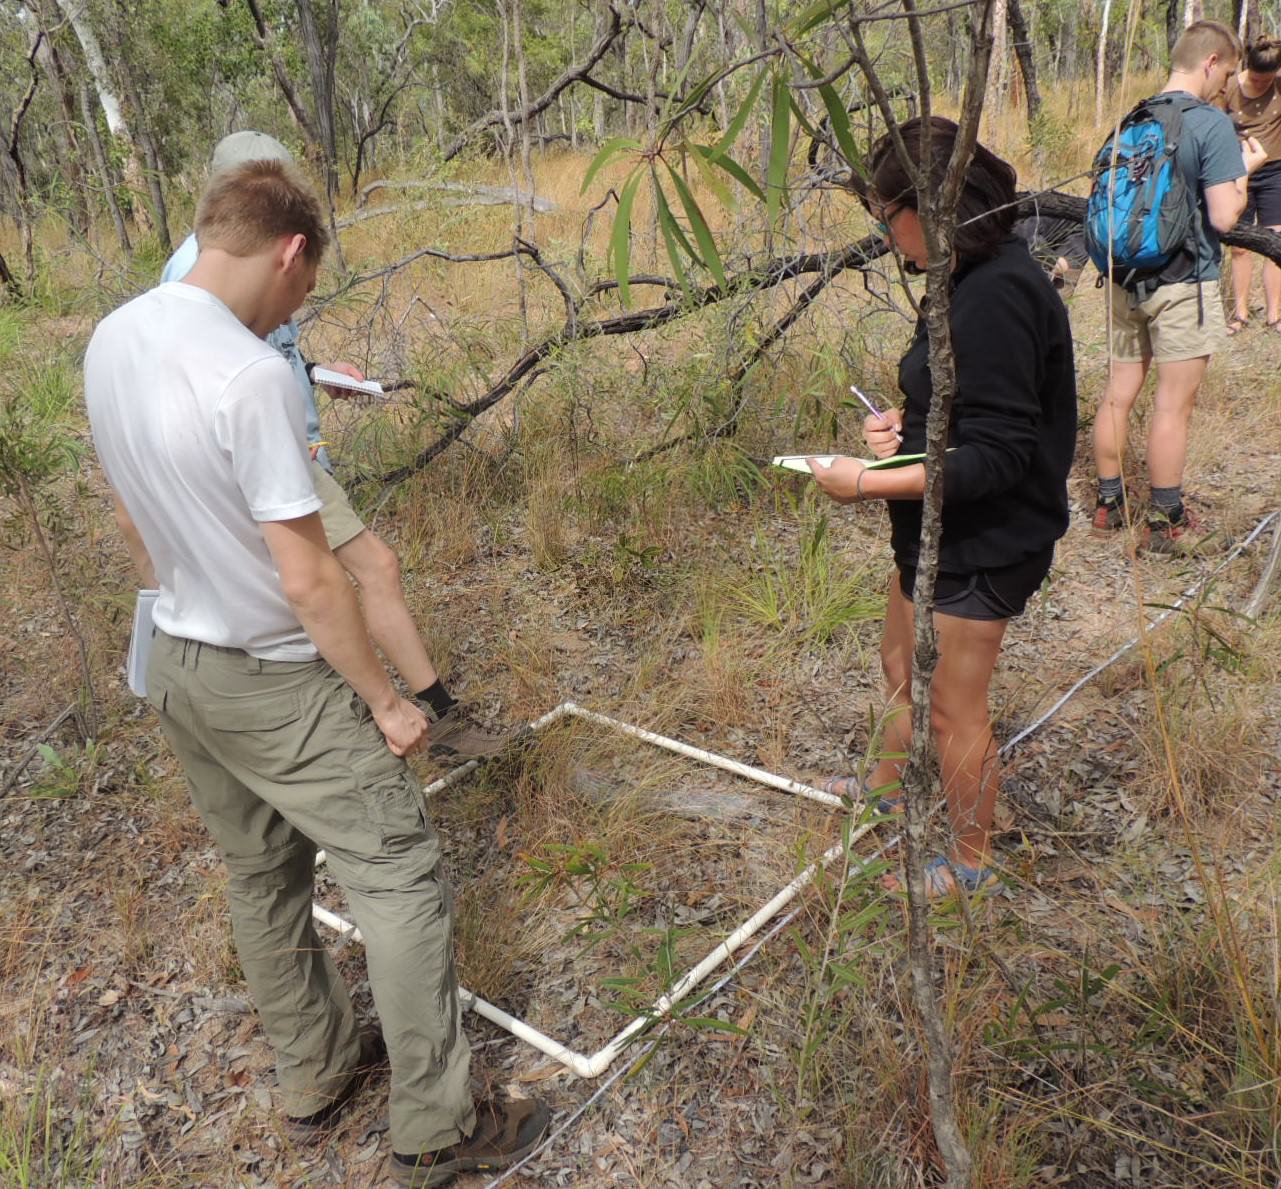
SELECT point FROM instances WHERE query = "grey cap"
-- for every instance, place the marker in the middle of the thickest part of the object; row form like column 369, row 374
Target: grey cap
column 240, row 147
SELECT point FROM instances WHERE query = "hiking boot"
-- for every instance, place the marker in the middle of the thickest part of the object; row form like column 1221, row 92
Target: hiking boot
column 505, row 1133
column 455, row 734
column 1186, row 537
column 309, row 1129
column 1109, row 518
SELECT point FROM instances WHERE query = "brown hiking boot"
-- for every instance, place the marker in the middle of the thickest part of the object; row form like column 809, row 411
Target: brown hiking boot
column 309, row 1129
column 505, row 1133
column 455, row 734
column 1187, row 537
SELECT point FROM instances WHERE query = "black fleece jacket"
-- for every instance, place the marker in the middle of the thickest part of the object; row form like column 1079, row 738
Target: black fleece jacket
column 1013, row 425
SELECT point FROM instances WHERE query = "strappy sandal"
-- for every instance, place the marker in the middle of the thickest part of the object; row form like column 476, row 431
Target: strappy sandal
column 1236, row 325
column 945, row 877
column 854, row 788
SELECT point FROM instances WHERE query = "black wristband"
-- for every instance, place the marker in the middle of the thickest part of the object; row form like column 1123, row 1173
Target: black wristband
column 310, row 368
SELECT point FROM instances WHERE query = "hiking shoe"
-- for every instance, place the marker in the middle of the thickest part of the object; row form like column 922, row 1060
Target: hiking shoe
column 1108, row 518
column 505, row 1133
column 455, row 734
column 309, row 1129
column 1187, row 537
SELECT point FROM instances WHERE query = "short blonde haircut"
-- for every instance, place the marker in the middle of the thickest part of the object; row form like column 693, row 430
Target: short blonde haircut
column 1201, row 39
column 249, row 206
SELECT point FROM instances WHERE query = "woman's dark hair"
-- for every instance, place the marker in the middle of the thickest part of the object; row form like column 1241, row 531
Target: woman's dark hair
column 985, row 212
column 1263, row 56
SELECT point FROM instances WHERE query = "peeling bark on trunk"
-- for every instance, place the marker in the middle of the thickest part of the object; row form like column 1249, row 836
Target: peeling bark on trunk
column 74, row 12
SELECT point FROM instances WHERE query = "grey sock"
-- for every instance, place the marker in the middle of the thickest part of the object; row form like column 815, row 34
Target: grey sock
column 1110, row 491
column 1168, row 501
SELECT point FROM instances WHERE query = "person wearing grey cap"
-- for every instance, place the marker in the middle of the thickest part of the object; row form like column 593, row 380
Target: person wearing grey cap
column 362, row 554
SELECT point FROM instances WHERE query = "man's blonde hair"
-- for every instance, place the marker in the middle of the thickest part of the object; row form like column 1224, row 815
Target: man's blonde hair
column 1201, row 39
column 246, row 207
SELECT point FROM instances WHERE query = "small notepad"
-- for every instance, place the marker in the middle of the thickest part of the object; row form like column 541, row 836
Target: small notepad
column 796, row 462
column 140, row 642
column 332, row 379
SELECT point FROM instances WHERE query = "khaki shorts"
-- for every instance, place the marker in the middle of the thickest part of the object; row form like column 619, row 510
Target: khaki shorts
column 337, row 515
column 1169, row 326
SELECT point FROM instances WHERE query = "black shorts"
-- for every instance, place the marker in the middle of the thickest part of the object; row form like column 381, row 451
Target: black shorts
column 999, row 593
column 1263, row 197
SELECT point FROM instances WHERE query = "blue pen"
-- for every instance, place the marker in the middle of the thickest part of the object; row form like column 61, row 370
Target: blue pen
column 872, row 408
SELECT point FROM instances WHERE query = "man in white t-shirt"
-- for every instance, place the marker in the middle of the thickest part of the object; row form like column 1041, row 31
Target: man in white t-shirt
column 286, row 723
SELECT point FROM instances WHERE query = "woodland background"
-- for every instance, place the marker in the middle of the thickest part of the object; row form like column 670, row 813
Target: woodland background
column 571, row 471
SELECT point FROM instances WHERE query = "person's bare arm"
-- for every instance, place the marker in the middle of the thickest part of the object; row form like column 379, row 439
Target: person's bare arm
column 325, row 602
column 1224, row 204
column 133, row 542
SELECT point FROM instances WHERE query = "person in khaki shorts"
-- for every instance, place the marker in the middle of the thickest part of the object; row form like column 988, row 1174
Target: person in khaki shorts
column 362, row 554
column 288, row 727
column 1179, row 324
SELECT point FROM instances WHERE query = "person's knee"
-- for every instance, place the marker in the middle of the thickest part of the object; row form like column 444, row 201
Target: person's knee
column 373, row 565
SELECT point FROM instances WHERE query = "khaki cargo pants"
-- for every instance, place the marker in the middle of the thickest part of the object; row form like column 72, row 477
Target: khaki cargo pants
column 282, row 758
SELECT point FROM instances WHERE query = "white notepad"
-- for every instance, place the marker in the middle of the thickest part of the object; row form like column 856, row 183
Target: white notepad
column 322, row 375
column 140, row 642
column 796, row 462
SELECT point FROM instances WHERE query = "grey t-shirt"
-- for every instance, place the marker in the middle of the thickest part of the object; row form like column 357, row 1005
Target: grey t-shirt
column 1209, row 154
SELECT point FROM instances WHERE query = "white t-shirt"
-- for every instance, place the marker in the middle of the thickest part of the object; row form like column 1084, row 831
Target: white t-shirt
column 198, row 426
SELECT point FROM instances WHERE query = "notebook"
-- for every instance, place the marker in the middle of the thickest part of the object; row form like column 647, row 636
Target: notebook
column 322, row 375
column 140, row 642
column 796, row 462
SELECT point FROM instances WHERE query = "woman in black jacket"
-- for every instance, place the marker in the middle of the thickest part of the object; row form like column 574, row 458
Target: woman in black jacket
column 1011, row 439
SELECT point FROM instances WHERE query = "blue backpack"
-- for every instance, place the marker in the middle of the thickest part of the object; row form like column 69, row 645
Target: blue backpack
column 1141, row 213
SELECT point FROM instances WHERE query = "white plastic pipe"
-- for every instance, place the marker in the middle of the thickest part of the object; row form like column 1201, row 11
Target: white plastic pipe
column 759, row 775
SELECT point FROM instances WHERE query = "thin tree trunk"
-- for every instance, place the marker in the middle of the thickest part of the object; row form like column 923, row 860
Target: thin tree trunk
column 1193, row 11
column 155, row 171
column 103, row 168
column 1022, row 40
column 65, row 129
column 118, row 127
column 321, row 48
column 25, row 214
column 995, row 98
column 1100, row 63
column 509, row 138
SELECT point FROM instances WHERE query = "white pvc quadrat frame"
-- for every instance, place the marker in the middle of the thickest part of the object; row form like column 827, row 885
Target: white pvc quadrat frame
column 593, row 1065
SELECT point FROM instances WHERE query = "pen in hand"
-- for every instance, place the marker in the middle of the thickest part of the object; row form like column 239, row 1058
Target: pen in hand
column 872, row 408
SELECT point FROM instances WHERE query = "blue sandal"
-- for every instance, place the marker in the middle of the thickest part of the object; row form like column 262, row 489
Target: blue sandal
column 946, row 877
column 853, row 788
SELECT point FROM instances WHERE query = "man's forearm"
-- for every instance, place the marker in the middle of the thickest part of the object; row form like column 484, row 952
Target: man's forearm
column 329, row 612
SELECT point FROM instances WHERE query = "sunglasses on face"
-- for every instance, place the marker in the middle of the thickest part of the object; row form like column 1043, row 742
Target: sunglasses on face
column 882, row 225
